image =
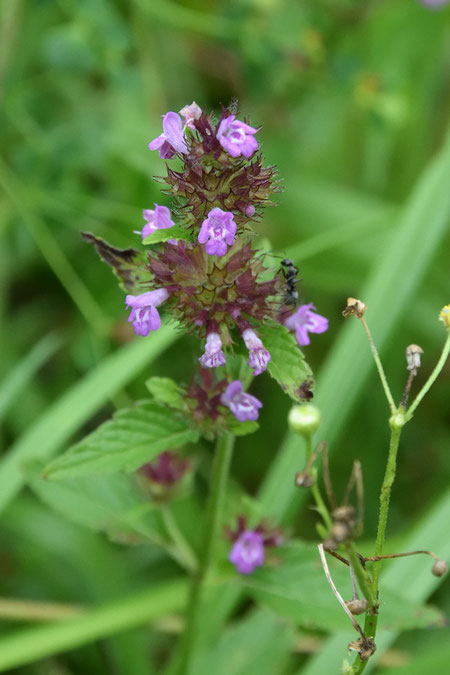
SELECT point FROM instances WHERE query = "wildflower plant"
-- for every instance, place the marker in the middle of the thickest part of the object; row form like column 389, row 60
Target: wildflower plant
column 201, row 268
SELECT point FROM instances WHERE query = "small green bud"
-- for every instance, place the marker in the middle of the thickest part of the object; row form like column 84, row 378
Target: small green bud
column 304, row 419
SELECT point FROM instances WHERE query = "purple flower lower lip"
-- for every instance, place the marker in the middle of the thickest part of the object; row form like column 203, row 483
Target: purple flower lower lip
column 242, row 405
column 236, row 137
column 259, row 357
column 172, row 139
column 213, row 356
column 305, row 321
column 144, row 314
column 217, row 231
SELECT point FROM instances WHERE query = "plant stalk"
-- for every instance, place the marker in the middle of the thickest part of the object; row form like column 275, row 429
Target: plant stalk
column 221, row 467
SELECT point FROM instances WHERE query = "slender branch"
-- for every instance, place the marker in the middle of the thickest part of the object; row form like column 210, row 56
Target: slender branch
column 380, row 368
column 222, row 461
column 31, row 610
column 184, row 549
column 320, row 504
column 440, row 364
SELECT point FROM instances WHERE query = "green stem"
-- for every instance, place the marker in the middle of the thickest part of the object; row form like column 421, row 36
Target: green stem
column 397, row 422
column 440, row 364
column 379, row 366
column 222, row 461
column 320, row 504
column 364, row 581
column 185, row 551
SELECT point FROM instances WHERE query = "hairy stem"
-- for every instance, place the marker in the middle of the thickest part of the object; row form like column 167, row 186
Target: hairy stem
column 320, row 504
column 222, row 461
column 379, row 365
column 370, row 625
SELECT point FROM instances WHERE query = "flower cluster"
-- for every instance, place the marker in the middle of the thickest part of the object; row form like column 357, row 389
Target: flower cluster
column 208, row 276
column 249, row 545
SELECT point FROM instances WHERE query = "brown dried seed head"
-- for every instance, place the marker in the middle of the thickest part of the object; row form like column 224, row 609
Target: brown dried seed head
column 439, row 568
column 413, row 353
column 354, row 307
column 358, row 605
column 304, row 479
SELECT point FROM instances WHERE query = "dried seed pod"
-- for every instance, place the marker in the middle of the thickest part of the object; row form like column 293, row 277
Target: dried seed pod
column 304, row 479
column 439, row 568
column 354, row 308
column 357, row 605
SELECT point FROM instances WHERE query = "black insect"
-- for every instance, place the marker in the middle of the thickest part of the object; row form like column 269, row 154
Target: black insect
column 290, row 272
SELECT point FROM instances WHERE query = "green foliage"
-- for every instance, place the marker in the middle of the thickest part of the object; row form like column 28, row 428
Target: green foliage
column 287, row 365
column 165, row 390
column 295, row 587
column 174, row 232
column 132, row 438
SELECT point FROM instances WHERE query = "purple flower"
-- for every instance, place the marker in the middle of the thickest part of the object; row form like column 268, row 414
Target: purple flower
column 259, row 357
column 190, row 113
column 144, row 314
column 243, row 406
column 305, row 321
column 172, row 139
column 213, row 356
column 217, row 231
column 248, row 552
column 237, row 137
column 434, row 4
column 249, row 210
column 157, row 219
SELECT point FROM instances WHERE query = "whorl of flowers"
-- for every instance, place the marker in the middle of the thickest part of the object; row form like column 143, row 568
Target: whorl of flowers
column 211, row 276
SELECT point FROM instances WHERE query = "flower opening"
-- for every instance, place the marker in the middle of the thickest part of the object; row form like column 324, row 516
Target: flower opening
column 213, row 356
column 259, row 357
column 247, row 552
column 217, row 230
column 242, row 405
column 144, row 315
column 236, row 137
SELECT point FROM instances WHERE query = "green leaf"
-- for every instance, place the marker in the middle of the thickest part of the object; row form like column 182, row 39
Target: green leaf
column 110, row 504
column 132, row 438
column 32, row 644
column 287, row 365
column 175, row 232
column 129, row 265
column 260, row 644
column 165, row 390
column 242, row 428
column 296, row 588
column 73, row 408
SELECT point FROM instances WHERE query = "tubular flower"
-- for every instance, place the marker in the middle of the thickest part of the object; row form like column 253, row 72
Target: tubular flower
column 259, row 357
column 305, row 321
column 236, row 137
column 144, row 314
column 172, row 139
column 248, row 552
column 157, row 219
column 213, row 356
column 242, row 405
column 217, row 231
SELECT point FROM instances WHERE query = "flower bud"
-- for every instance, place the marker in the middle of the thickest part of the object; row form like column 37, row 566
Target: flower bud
column 413, row 353
column 304, row 419
column 439, row 568
column 444, row 316
column 354, row 307
column 357, row 605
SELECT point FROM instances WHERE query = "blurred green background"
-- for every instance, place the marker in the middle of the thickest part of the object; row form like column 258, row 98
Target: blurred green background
column 353, row 98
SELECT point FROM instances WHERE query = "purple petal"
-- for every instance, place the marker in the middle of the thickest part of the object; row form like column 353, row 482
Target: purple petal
column 173, row 131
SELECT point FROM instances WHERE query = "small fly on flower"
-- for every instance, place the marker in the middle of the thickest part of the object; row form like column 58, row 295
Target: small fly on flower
column 290, row 272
